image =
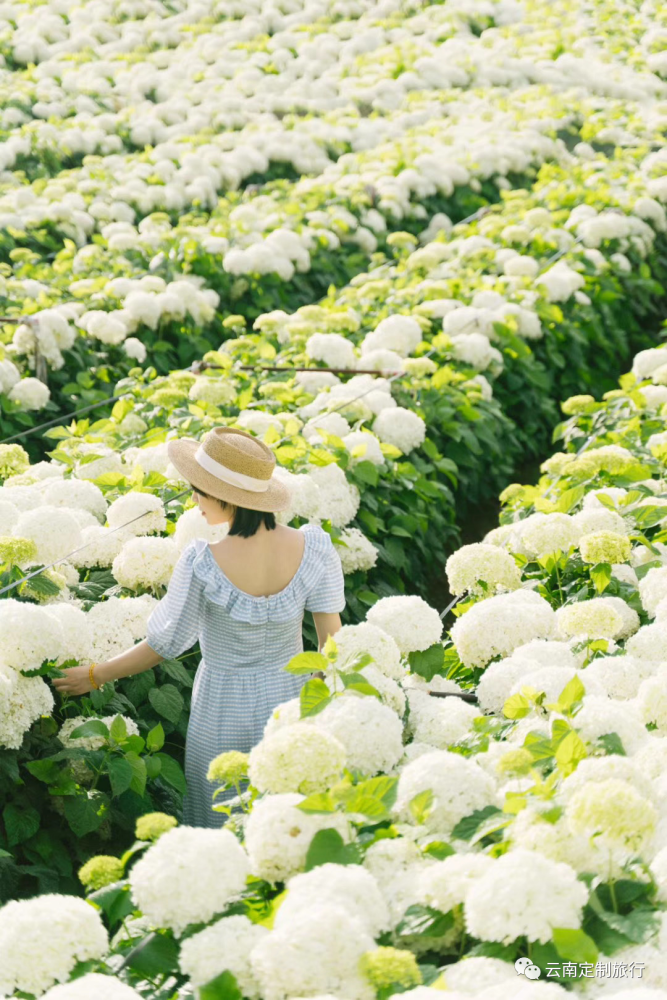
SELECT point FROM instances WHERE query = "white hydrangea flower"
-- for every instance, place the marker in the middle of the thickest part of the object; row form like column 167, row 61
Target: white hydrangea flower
column 218, row 391
column 497, row 626
column 30, row 393
column 445, row 884
column 54, row 530
column 622, row 821
column 459, row 787
column 93, row 985
column 401, row 334
column 317, row 428
column 390, row 692
column 524, row 895
column 593, row 619
column 304, row 496
column 651, row 701
column 91, row 742
column 131, row 613
column 296, row 758
column 475, row 349
column 145, row 562
column 474, row 974
column 100, row 546
column 76, row 493
column 135, row 349
column 542, row 534
column 154, row 458
column 403, row 428
column 278, row 835
column 192, row 525
column 601, row 716
column 318, row 951
column 357, row 552
column 370, row 733
column 225, row 946
column 332, row 349
column 363, row 447
column 9, row 515
column 338, row 499
column 619, row 676
column 598, row 769
column 590, row 521
column 410, row 622
column 137, row 514
column 653, row 589
column 349, row 886
column 472, row 564
column 42, row 939
column 439, row 721
column 22, row 701
column 188, row 875
column 77, row 632
column 28, row 635
column 649, row 642
column 353, row 641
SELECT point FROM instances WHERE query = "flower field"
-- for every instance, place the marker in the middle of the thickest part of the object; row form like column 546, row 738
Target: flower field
column 389, row 239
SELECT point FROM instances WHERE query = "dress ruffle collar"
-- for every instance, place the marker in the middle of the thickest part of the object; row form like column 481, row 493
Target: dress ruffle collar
column 282, row 607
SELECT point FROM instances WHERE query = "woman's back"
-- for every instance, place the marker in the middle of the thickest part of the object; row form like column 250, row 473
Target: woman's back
column 264, row 564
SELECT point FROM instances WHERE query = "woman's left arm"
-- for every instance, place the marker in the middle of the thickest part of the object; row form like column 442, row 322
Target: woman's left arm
column 325, row 625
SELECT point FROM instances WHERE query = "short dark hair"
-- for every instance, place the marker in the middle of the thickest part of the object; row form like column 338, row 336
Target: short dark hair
column 246, row 522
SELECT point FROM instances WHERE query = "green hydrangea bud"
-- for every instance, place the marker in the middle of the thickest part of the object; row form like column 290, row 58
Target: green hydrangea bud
column 385, row 967
column 17, row 551
column 605, row 547
column 153, row 825
column 13, row 460
column 100, row 871
column 576, row 404
column 228, row 768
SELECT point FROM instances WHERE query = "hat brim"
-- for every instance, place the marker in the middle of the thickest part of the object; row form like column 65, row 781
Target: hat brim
column 182, row 455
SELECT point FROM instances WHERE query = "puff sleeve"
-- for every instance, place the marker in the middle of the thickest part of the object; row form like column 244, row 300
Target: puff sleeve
column 328, row 591
column 175, row 623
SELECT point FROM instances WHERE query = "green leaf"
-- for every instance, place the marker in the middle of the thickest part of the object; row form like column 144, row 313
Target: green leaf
column 516, row 707
column 421, row 805
column 114, row 900
column 439, row 849
column 139, row 775
column 223, row 987
column 612, row 743
column 357, row 682
column 171, row 772
column 167, row 701
column 601, row 576
column 118, row 729
column 156, row 955
column 44, row 770
column 574, row 945
column 43, row 586
column 569, row 752
column 373, row 798
column 155, row 738
column 573, row 692
column 467, row 827
column 319, row 802
column 307, row 663
column 153, row 766
column 569, row 499
column 424, row 921
column 637, row 926
column 314, row 697
column 428, row 662
column 328, row 847
column 94, row 727
column 20, row 823
column 367, row 473
column 177, row 672
column 85, row 813
column 120, row 775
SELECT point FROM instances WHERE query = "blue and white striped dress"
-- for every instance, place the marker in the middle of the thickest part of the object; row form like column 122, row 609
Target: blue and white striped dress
column 245, row 643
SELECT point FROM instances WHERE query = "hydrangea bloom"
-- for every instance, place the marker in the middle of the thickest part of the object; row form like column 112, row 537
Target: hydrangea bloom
column 459, row 787
column 410, row 622
column 370, row 732
column 605, row 547
column 28, row 635
column 278, row 835
column 338, row 499
column 93, row 985
column 188, row 876
column 357, row 552
column 495, row 627
column 351, row 887
column 439, row 721
column 524, row 894
column 296, row 758
column 472, row 566
column 22, row 701
column 145, row 562
column 615, row 814
column 353, row 641
column 224, row 946
column 137, row 514
column 400, row 427
column 76, row 493
column 54, row 530
column 42, row 939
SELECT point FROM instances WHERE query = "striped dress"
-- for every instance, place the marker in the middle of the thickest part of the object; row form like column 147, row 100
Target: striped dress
column 245, row 642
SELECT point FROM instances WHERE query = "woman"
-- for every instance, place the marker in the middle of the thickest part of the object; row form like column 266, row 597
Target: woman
column 243, row 599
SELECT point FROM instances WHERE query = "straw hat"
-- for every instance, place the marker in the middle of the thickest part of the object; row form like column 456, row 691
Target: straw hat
column 233, row 466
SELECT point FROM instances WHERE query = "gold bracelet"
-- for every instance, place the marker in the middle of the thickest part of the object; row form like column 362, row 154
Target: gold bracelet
column 91, row 677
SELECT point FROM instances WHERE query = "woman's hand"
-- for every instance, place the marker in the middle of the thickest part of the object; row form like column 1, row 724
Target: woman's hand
column 75, row 681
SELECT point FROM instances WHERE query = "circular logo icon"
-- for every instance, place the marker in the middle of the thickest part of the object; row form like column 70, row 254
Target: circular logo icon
column 532, row 972
column 521, row 965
